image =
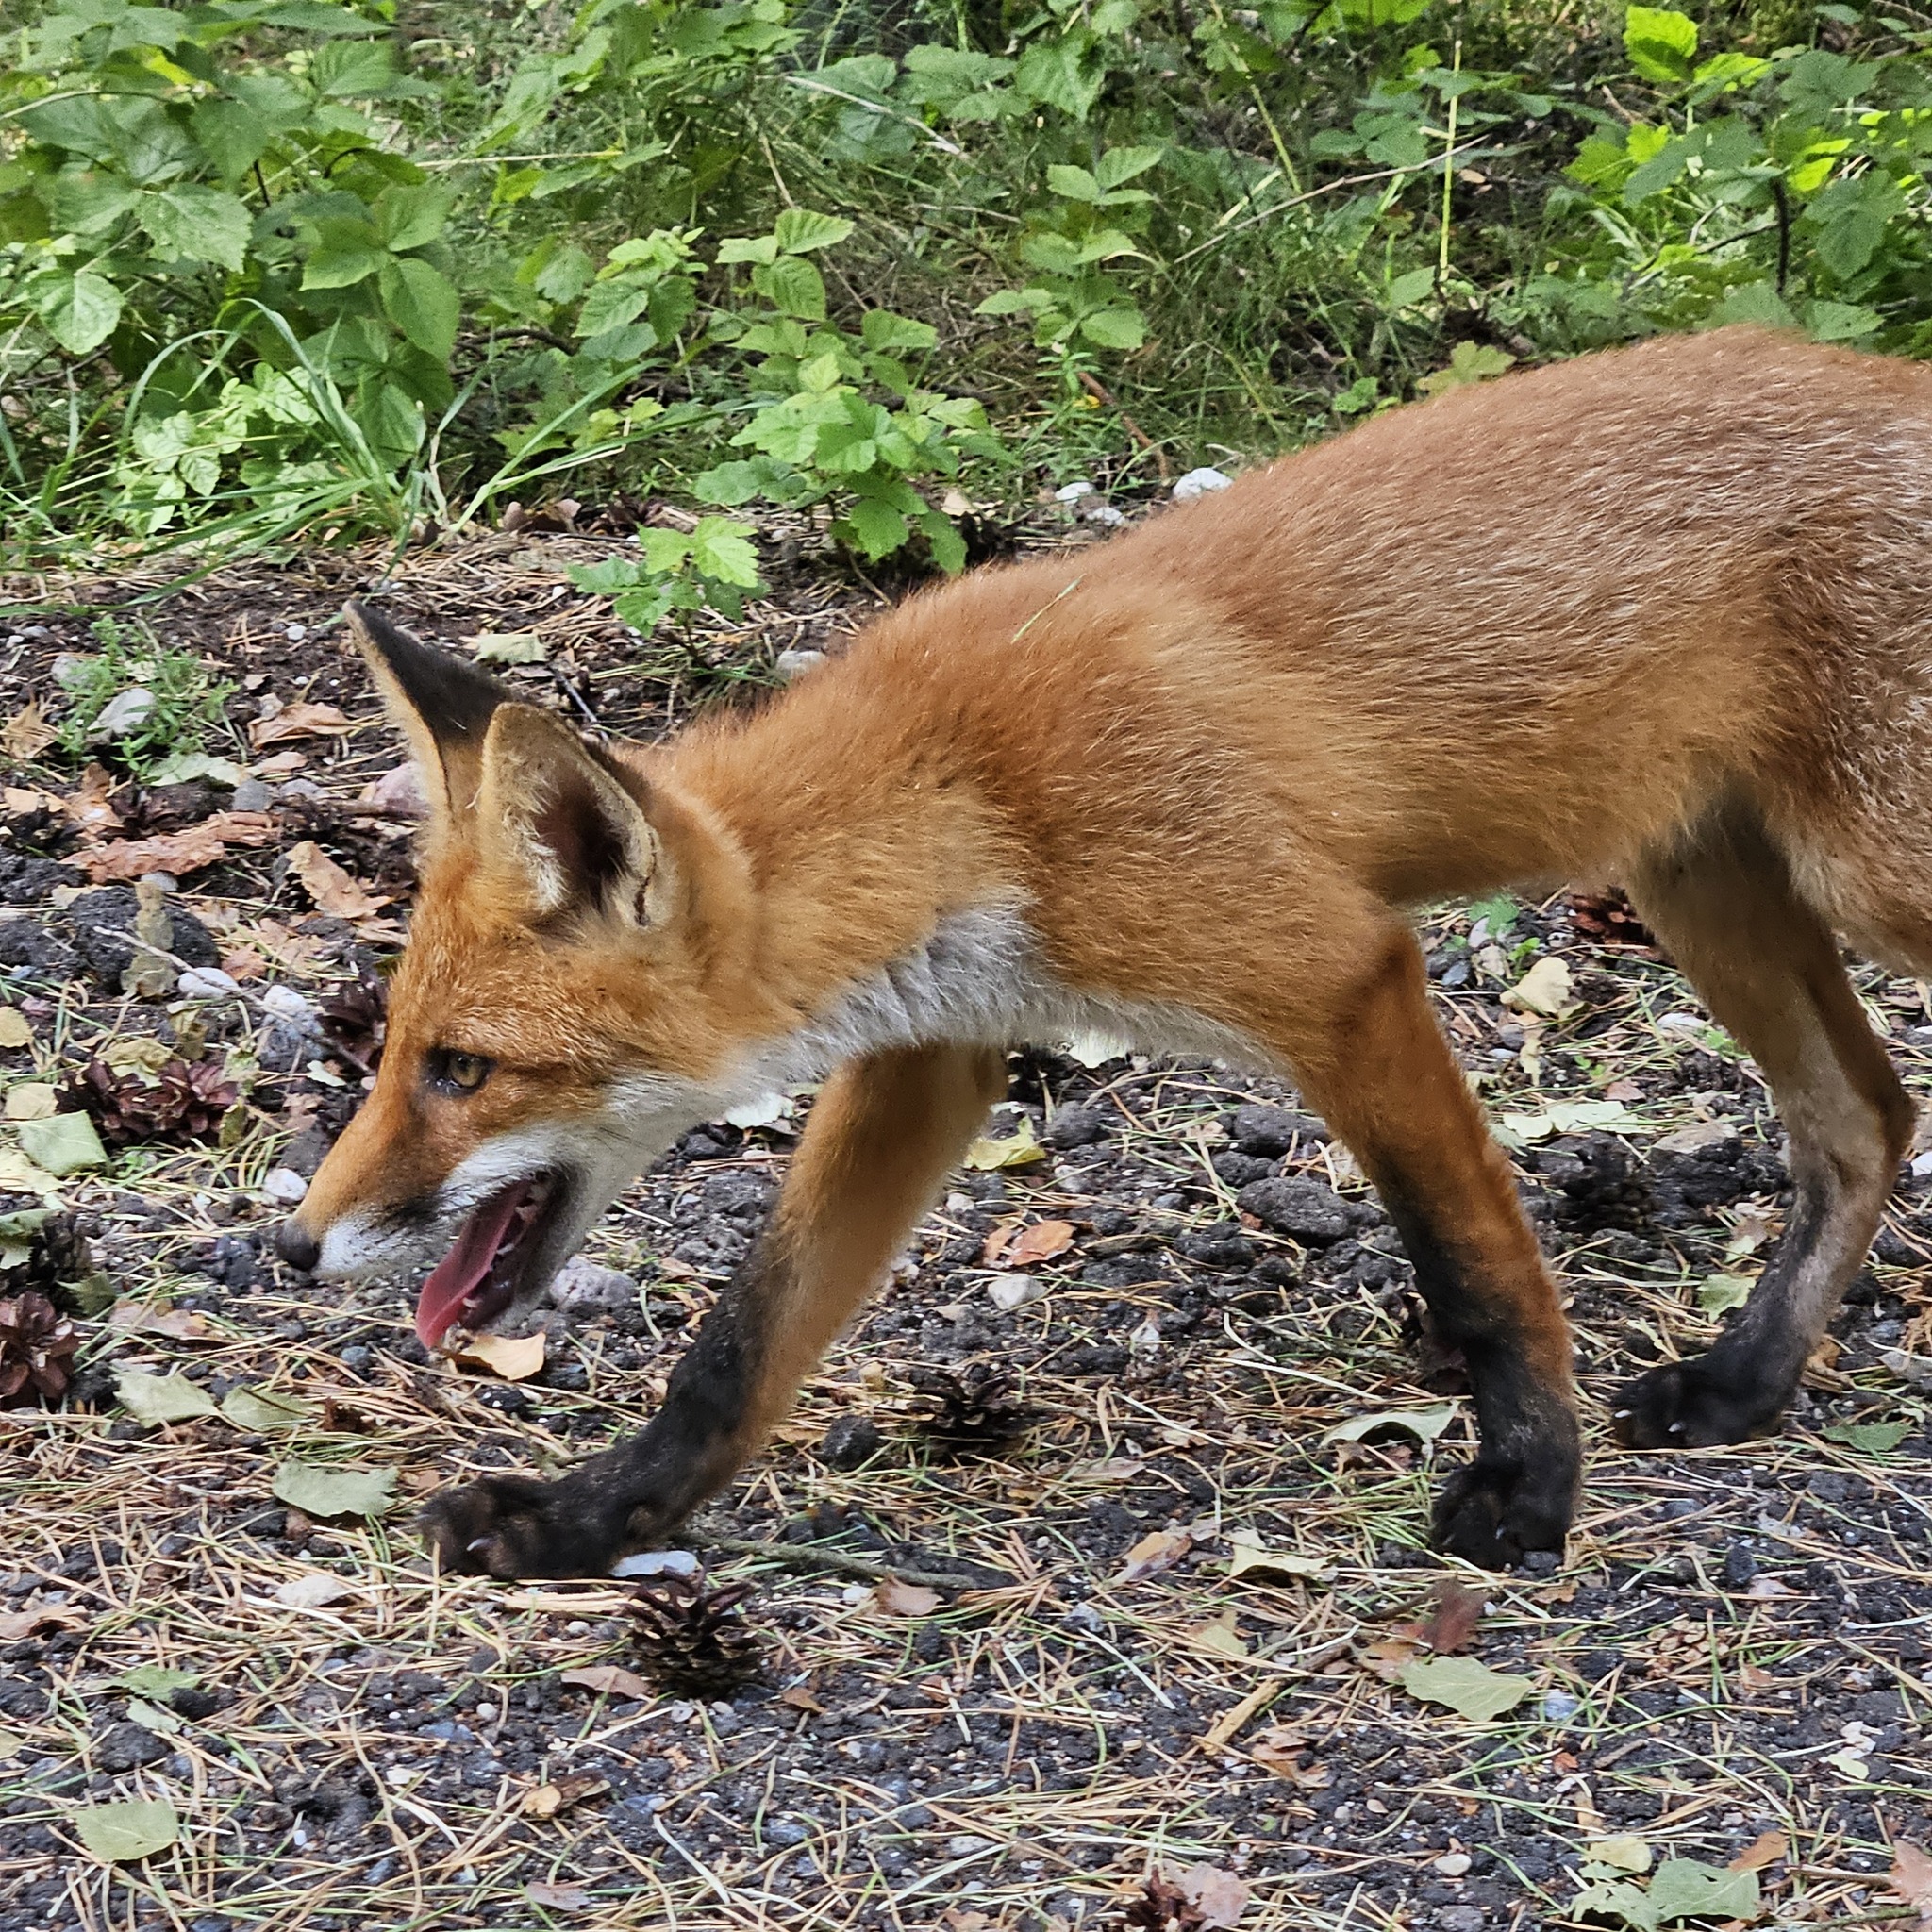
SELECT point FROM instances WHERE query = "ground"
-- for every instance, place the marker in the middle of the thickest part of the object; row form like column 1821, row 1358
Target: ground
column 1004, row 1681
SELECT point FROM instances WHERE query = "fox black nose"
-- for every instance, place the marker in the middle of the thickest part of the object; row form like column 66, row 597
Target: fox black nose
column 297, row 1246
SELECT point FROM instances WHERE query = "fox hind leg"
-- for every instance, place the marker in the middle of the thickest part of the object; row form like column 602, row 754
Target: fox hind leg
column 1723, row 902
column 883, row 1134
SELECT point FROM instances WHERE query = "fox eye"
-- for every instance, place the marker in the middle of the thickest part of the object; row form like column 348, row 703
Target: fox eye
column 458, row 1072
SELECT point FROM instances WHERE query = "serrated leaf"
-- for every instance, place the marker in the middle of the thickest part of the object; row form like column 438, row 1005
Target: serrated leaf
column 798, row 230
column 1688, row 1888
column 1719, row 1292
column 258, row 1411
column 136, row 1828
column 422, row 304
column 509, row 647
column 1869, row 1439
column 721, row 549
column 161, row 1398
column 191, row 224
column 793, row 286
column 80, row 310
column 1470, row 1688
column 319, row 1488
column 1662, row 44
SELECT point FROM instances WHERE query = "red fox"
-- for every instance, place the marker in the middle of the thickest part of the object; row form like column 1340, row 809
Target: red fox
column 1661, row 613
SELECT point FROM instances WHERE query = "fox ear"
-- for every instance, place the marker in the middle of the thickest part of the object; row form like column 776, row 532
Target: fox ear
column 568, row 821
column 441, row 702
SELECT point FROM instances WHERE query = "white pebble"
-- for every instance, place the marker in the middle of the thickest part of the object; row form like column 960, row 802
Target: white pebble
column 1199, row 483
column 284, row 1187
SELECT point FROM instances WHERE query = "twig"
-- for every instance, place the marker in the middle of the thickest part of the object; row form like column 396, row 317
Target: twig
column 807, row 1557
column 1099, row 391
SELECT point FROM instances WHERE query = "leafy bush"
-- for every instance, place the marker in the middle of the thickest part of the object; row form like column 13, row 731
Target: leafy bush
column 176, row 702
column 268, row 266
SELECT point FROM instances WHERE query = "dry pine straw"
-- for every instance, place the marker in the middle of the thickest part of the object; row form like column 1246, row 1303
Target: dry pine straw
column 1734, row 1644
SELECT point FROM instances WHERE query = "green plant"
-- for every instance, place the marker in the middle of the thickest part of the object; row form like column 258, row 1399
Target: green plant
column 182, row 704
column 711, row 567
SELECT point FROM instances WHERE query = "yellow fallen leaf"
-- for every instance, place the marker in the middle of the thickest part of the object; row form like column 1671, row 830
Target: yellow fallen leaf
column 1017, row 1150
column 14, row 1030
column 1543, row 990
column 32, row 1100
column 514, row 1357
column 1218, row 1636
column 1158, row 1550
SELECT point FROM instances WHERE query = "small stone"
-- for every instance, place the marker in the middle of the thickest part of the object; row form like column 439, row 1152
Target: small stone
column 1454, row 1864
column 1072, row 1126
column 965, row 1845
column 1559, row 1706
column 583, row 1286
column 1740, row 1566
column 1460, row 1918
column 914, row 1817
column 1199, row 483
column 123, row 715
column 851, row 1440
column 206, row 983
column 252, row 795
column 1072, row 492
column 656, row 1563
column 793, row 663
column 296, row 632
column 1304, row 1209
column 283, row 1186
column 786, row 1832
column 122, row 1747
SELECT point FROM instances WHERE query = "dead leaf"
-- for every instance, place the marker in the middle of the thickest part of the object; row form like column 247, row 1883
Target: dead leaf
column 1625, row 1091
column 1452, row 1625
column 302, row 720
column 898, row 1599
column 1543, row 990
column 143, row 1318
column 314, row 1589
column 334, row 890
column 557, row 1898
column 1159, row 1550
column 14, row 1031
column 1219, row 1897
column 280, row 764
column 398, row 793
column 17, row 1625
column 513, row 1357
column 1761, row 1851
column 612, row 1681
column 189, row 850
column 1388, row 1656
column 26, row 734
column 90, row 808
column 32, row 1100
column 547, row 1800
column 1911, row 1878
column 1220, row 1636
column 1280, row 1750
column 1039, row 1243
column 799, row 1698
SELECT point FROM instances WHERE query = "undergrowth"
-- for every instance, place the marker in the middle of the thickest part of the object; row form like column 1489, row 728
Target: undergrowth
column 274, row 268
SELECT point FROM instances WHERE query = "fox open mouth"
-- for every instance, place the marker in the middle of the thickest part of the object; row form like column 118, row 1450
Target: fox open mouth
column 490, row 1259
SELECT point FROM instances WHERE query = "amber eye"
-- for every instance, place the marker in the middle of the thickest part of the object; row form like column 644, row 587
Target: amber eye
column 458, row 1072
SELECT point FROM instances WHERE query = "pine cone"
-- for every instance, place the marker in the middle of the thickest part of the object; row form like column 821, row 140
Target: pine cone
column 691, row 1639
column 36, row 1352
column 971, row 1408
column 1162, row 1907
column 185, row 1101
column 353, row 1020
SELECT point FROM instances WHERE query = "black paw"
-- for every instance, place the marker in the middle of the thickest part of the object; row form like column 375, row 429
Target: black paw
column 512, row 1526
column 1493, row 1513
column 1694, row 1404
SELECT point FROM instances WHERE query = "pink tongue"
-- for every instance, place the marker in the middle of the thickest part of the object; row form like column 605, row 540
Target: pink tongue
column 461, row 1271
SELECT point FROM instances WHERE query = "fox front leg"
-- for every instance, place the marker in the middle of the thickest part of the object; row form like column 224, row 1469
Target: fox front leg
column 884, row 1132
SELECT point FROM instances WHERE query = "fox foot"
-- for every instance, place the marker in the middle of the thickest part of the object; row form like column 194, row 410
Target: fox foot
column 1493, row 1513
column 1696, row 1404
column 511, row 1526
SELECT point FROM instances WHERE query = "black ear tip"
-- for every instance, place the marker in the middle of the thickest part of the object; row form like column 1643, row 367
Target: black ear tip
column 452, row 695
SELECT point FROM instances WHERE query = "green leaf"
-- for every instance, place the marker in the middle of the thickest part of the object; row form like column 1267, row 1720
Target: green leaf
column 1688, row 1888
column 1073, row 184
column 1613, row 1899
column 353, row 70
column 1869, row 1439
column 1662, row 45
column 161, row 1398
column 747, row 248
column 1470, row 1688
column 422, row 304
column 1424, row 1424
column 1115, row 329
column 882, row 330
column 1842, row 321
column 410, row 216
column 155, row 1680
column 320, row 1489
column 798, row 230
column 719, row 549
column 1121, row 164
column 63, row 1143
column 1724, row 1291
column 189, row 224
column 793, row 286
column 259, row 1412
column 1758, row 302
column 346, row 252
column 136, row 1828
column 81, row 310
column 1067, row 74
column 611, row 304
column 1406, row 290
column 1849, row 240
column 1016, row 1150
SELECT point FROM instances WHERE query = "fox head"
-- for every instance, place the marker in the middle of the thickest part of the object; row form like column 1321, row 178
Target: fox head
column 575, row 994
